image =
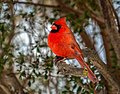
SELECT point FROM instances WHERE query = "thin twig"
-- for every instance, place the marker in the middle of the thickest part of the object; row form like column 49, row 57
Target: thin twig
column 60, row 6
column 79, row 12
column 31, row 3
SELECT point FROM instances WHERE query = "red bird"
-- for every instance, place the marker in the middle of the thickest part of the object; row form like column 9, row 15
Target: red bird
column 62, row 42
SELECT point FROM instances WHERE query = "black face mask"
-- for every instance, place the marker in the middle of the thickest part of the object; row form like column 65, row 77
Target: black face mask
column 58, row 28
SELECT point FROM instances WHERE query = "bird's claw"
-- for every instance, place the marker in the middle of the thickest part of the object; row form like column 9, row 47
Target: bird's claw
column 58, row 59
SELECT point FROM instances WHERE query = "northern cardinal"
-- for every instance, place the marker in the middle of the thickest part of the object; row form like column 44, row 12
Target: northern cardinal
column 62, row 42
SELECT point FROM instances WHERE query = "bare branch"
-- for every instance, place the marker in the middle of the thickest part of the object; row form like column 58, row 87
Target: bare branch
column 66, row 69
column 10, row 83
column 79, row 12
column 111, row 27
column 60, row 6
column 115, row 14
column 30, row 3
column 94, row 58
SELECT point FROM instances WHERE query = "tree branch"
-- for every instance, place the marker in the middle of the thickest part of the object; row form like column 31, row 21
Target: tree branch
column 9, row 83
column 60, row 6
column 30, row 3
column 94, row 58
column 115, row 14
column 66, row 69
column 110, row 24
column 100, row 20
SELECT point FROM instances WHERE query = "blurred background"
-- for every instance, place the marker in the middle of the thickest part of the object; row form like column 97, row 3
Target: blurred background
column 26, row 62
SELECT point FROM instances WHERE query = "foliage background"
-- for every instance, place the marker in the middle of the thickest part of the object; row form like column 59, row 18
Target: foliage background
column 27, row 64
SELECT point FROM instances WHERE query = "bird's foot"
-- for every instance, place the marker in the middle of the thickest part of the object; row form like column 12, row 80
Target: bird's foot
column 59, row 58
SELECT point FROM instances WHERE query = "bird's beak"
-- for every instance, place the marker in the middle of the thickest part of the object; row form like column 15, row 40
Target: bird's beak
column 53, row 27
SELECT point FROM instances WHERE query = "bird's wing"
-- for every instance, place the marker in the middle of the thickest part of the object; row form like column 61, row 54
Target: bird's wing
column 74, row 43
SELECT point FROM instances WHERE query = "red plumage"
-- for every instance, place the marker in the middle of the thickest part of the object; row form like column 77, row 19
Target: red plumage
column 63, row 43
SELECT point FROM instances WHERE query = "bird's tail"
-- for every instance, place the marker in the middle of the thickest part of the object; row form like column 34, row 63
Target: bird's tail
column 90, row 75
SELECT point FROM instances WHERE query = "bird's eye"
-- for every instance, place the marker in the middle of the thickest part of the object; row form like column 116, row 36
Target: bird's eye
column 58, row 26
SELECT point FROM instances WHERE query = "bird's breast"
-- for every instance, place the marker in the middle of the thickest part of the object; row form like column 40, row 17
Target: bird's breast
column 59, row 44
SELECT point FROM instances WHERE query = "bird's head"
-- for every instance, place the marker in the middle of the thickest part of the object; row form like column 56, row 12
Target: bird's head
column 56, row 26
